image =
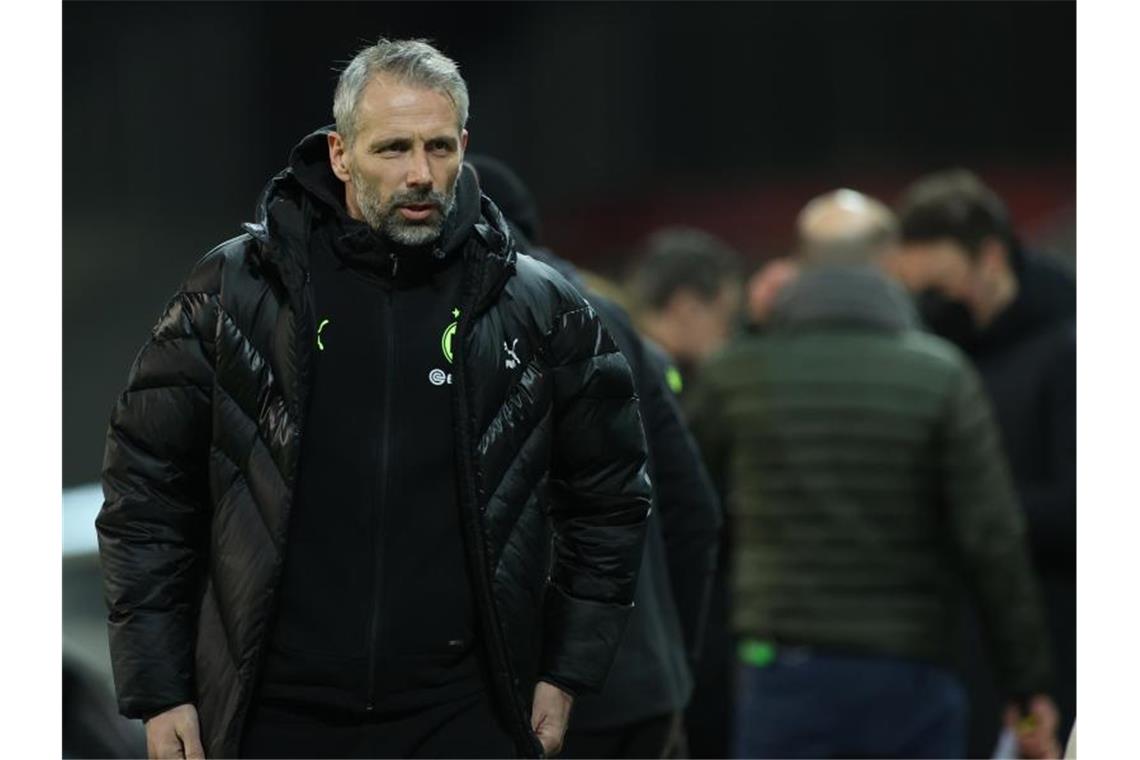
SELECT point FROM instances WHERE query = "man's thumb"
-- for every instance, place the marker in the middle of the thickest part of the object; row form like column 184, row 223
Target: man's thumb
column 548, row 740
column 191, row 742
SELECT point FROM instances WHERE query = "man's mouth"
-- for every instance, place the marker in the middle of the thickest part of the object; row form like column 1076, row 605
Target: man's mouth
column 418, row 211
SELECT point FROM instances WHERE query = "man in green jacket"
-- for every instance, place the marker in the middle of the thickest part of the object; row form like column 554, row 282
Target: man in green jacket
column 867, row 489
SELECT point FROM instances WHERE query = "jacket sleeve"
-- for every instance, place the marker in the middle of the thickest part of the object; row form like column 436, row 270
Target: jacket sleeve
column 686, row 501
column 154, row 519
column 988, row 531
column 599, row 501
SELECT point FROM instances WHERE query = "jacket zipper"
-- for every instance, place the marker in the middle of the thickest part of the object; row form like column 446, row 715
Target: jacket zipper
column 380, row 506
column 472, row 520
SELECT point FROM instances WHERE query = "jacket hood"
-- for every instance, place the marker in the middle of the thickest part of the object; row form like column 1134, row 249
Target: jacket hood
column 511, row 195
column 307, row 193
column 309, row 162
column 855, row 295
column 520, row 211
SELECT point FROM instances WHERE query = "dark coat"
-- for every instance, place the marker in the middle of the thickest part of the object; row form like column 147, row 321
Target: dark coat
column 202, row 454
column 1027, row 359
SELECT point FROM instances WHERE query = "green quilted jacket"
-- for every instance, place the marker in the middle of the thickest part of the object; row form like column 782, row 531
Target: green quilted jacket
column 866, row 483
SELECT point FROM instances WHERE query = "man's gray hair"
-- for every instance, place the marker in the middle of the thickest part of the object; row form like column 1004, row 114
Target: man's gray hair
column 412, row 62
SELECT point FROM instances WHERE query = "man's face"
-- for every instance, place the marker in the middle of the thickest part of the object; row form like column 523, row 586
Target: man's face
column 941, row 265
column 958, row 294
column 705, row 324
column 401, row 169
column 765, row 286
column 980, row 281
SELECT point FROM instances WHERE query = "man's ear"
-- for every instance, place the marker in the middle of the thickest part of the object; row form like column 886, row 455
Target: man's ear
column 463, row 141
column 337, row 157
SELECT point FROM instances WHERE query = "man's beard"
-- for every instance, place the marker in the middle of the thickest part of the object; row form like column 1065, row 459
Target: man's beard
column 387, row 220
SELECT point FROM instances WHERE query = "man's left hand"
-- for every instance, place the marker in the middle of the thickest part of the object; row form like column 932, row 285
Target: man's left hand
column 549, row 716
column 1036, row 729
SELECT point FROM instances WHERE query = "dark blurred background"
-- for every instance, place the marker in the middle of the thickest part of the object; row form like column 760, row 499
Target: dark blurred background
column 621, row 116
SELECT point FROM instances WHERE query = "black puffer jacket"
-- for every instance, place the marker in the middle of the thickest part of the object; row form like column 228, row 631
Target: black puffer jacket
column 202, row 456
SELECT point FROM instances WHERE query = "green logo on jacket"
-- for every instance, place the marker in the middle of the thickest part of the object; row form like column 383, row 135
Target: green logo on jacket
column 320, row 327
column 448, row 334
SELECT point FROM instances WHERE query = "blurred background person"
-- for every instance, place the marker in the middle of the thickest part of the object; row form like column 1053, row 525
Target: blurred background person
column 639, row 711
column 688, row 289
column 764, row 286
column 1013, row 311
column 866, row 487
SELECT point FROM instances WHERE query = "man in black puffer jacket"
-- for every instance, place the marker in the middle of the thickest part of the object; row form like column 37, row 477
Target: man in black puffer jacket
column 377, row 485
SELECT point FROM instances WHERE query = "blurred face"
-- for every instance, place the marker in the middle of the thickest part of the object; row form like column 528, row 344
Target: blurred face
column 958, row 293
column 401, row 169
column 701, row 327
column 979, row 282
column 766, row 285
column 941, row 265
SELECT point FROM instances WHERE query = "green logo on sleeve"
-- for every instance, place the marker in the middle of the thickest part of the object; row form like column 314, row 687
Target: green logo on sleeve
column 673, row 379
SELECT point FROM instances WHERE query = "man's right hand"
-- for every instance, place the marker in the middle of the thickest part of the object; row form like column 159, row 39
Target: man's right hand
column 174, row 734
column 1036, row 728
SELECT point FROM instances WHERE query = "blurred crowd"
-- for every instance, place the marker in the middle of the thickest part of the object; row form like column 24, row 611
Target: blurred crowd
column 886, row 415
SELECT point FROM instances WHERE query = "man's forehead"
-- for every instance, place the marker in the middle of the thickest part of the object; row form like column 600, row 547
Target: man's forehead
column 927, row 263
column 940, row 251
column 390, row 104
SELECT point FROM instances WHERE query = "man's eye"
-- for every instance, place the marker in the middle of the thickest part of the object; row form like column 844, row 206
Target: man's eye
column 441, row 147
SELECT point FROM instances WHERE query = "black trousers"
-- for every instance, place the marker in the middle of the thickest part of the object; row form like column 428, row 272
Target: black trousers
column 465, row 727
column 661, row 736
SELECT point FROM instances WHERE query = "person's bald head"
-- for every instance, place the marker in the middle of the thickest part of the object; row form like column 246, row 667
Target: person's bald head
column 845, row 227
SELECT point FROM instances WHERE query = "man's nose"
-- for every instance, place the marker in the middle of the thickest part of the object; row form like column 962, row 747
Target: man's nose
column 419, row 173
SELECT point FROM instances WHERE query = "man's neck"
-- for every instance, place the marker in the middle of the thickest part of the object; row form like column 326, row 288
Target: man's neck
column 350, row 205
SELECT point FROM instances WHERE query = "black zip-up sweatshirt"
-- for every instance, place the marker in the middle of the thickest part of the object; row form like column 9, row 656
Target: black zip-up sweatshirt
column 375, row 610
